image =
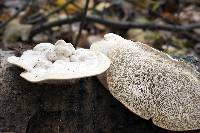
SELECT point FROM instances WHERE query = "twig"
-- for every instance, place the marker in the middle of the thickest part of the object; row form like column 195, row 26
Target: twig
column 114, row 24
column 44, row 26
column 191, row 36
column 82, row 22
column 2, row 25
column 149, row 26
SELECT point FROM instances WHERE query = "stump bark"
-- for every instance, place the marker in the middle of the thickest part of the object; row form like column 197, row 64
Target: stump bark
column 83, row 107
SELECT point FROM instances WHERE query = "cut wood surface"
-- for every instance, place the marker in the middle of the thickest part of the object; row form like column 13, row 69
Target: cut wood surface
column 83, row 107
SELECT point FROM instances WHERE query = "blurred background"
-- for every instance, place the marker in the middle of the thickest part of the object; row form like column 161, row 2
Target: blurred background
column 172, row 26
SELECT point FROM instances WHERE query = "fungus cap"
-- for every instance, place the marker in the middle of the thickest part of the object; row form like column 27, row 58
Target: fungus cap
column 153, row 85
column 39, row 67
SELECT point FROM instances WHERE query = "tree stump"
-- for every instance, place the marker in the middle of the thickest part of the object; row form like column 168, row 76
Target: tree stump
column 83, row 107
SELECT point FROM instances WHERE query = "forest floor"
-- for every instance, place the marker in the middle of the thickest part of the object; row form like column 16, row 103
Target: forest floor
column 172, row 26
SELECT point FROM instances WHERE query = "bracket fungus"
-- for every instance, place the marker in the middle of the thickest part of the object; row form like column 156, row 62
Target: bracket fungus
column 151, row 83
column 48, row 62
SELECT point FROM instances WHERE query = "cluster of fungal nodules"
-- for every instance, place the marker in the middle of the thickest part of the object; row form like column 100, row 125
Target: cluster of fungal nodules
column 56, row 60
column 64, row 51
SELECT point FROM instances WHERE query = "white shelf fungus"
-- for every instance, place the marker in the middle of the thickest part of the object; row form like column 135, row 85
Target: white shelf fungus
column 48, row 62
column 151, row 84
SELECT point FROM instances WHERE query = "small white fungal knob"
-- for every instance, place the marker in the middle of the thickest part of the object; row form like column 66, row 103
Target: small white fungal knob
column 44, row 47
column 112, row 36
column 82, row 55
column 63, row 49
column 51, row 55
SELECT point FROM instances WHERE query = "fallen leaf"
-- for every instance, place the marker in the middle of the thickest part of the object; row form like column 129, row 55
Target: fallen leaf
column 102, row 5
column 189, row 14
column 15, row 31
column 74, row 8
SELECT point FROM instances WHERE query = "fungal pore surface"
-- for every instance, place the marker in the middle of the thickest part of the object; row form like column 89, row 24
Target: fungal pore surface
column 59, row 62
column 151, row 83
